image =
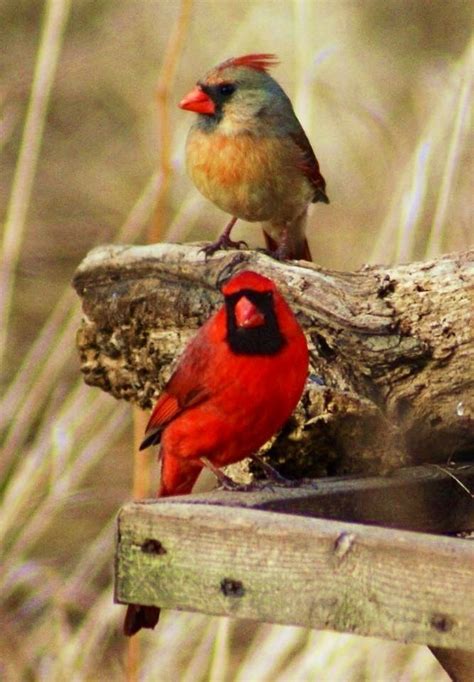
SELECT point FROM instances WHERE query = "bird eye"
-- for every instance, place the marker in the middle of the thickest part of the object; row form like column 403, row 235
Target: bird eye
column 226, row 89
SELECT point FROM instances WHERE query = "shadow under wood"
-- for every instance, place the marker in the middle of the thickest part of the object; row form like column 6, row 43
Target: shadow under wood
column 426, row 498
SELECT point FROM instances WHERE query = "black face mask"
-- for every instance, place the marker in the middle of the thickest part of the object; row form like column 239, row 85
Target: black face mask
column 220, row 95
column 266, row 339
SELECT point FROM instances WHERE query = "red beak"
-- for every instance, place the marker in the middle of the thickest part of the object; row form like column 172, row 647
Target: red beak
column 198, row 101
column 247, row 315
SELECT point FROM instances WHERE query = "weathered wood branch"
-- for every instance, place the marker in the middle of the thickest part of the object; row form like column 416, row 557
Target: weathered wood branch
column 392, row 348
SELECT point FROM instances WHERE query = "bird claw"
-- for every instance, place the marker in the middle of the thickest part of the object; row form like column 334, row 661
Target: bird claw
column 241, row 487
column 273, row 478
column 223, row 243
column 258, row 486
column 226, row 483
column 279, row 254
column 273, row 475
column 287, row 482
column 266, row 252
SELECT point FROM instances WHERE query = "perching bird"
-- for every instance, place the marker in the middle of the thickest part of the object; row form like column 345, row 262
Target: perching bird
column 249, row 155
column 236, row 384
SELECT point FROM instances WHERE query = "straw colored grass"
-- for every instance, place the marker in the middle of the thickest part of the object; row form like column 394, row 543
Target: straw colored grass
column 383, row 90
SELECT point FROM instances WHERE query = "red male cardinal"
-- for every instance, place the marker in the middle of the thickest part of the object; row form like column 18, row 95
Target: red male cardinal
column 236, row 384
column 249, row 155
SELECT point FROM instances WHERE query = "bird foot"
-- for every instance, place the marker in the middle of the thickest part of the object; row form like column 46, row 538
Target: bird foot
column 273, row 475
column 224, row 242
column 225, row 481
column 242, row 487
column 280, row 254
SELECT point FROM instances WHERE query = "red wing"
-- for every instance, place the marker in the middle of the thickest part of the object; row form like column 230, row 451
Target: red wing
column 185, row 389
column 165, row 409
column 168, row 408
column 310, row 166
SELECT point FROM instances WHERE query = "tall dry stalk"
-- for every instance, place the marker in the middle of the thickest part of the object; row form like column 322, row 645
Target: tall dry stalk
column 460, row 126
column 52, row 34
column 164, row 91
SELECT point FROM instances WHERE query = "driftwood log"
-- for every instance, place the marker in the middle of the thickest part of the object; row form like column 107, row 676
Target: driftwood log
column 392, row 348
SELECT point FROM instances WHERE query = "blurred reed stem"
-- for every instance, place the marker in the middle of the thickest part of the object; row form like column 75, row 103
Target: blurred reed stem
column 459, row 130
column 220, row 651
column 303, row 42
column 164, row 90
column 51, row 40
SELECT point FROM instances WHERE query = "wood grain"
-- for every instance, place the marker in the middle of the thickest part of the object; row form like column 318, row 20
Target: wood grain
column 281, row 568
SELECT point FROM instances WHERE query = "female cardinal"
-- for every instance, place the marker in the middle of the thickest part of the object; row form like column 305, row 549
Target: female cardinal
column 249, row 155
column 236, row 384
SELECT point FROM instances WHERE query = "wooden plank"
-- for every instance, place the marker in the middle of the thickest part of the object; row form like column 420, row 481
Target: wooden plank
column 423, row 498
column 281, row 568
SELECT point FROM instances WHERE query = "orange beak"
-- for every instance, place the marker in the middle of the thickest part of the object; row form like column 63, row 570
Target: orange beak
column 198, row 101
column 247, row 315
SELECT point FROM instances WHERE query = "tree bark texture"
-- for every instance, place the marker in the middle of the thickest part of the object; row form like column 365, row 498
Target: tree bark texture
column 392, row 349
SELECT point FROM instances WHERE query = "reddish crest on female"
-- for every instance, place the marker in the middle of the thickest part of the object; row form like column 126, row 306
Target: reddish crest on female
column 259, row 62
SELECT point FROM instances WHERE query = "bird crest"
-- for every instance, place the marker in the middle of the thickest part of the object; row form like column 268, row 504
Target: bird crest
column 259, row 62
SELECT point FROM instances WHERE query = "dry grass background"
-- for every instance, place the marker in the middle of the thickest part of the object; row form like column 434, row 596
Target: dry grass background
column 383, row 89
